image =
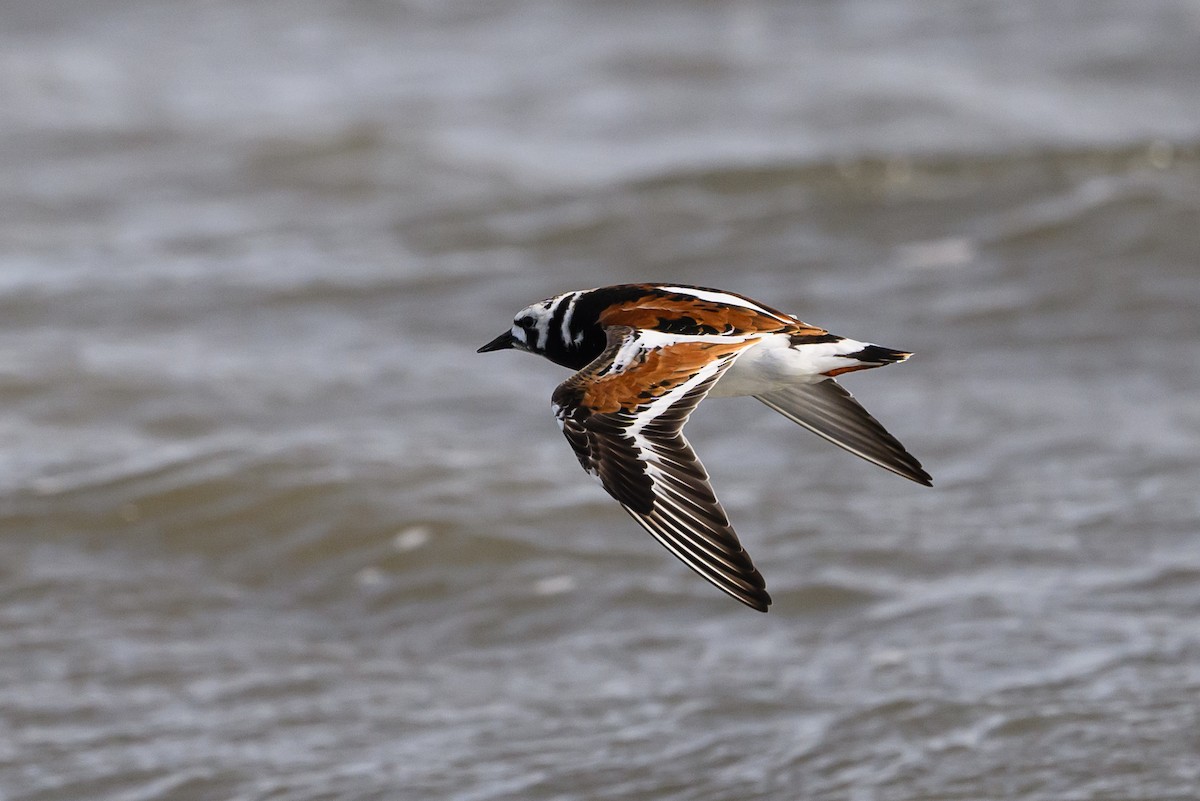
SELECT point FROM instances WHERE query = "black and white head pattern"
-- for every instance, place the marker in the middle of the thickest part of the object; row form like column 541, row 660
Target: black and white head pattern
column 552, row 328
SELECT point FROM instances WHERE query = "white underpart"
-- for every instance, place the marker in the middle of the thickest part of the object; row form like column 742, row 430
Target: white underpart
column 774, row 363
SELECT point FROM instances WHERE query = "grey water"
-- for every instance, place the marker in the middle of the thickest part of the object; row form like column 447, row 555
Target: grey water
column 271, row 529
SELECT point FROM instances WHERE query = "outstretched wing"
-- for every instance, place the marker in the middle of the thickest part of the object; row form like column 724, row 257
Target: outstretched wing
column 828, row 410
column 624, row 414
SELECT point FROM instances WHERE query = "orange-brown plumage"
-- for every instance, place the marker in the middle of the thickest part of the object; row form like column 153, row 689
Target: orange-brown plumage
column 646, row 354
column 658, row 311
column 654, row 373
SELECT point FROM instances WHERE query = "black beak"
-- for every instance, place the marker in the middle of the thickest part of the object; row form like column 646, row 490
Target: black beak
column 502, row 342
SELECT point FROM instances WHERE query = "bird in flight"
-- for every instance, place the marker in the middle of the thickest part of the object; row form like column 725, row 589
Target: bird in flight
column 646, row 354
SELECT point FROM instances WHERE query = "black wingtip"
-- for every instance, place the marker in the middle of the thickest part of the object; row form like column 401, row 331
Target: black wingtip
column 759, row 601
column 911, row 469
column 755, row 595
column 908, row 467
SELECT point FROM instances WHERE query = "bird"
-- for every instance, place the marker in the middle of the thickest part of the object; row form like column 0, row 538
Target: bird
column 646, row 354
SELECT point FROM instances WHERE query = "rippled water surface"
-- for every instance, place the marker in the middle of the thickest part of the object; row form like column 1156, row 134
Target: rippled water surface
column 270, row 528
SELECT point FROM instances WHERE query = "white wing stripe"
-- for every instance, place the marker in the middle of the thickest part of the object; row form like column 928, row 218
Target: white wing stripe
column 663, row 403
column 718, row 297
column 642, row 459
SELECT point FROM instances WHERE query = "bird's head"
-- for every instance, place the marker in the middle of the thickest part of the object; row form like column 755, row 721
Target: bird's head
column 530, row 330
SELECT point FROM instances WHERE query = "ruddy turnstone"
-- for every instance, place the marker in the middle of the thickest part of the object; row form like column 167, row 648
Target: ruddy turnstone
column 646, row 355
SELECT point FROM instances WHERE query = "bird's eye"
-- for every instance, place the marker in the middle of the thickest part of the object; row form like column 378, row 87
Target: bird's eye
column 525, row 321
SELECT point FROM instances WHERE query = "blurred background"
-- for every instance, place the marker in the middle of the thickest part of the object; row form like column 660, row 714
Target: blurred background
column 270, row 528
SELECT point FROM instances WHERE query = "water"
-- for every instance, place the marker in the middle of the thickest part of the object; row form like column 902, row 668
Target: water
column 270, row 529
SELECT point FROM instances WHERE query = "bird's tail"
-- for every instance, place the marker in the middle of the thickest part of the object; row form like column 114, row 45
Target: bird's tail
column 867, row 357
